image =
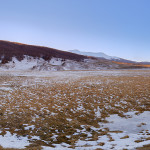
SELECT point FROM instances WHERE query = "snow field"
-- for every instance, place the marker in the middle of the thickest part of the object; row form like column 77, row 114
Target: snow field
column 75, row 109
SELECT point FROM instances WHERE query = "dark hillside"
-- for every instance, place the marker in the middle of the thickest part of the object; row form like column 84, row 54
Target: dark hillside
column 18, row 50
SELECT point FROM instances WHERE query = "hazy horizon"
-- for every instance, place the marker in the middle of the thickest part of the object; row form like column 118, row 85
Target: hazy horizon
column 116, row 28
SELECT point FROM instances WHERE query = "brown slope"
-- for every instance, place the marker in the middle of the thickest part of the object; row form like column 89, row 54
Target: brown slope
column 18, row 50
column 125, row 65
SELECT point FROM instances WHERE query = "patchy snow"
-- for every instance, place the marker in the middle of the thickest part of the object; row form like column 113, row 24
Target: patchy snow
column 134, row 127
column 129, row 125
column 55, row 64
column 56, row 61
column 5, row 88
column 13, row 141
column 26, row 64
column 74, row 74
column 29, row 127
column 97, row 113
column 132, row 130
column 58, row 147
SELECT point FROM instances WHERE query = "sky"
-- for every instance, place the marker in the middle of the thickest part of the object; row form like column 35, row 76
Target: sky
column 115, row 27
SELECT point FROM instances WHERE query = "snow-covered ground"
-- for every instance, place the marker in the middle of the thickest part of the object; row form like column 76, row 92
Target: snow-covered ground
column 130, row 131
column 13, row 141
column 76, row 74
column 134, row 127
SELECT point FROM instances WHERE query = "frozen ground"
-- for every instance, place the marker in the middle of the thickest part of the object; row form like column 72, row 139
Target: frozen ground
column 122, row 128
column 63, row 74
column 134, row 127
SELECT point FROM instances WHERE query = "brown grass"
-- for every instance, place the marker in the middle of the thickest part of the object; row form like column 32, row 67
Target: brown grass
column 132, row 65
column 53, row 106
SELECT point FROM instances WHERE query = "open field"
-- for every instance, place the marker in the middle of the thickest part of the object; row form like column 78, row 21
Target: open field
column 75, row 110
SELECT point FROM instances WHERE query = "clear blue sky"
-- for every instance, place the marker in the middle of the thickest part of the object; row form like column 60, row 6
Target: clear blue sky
column 116, row 27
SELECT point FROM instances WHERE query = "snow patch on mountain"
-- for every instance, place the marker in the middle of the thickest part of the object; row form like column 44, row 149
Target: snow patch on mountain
column 54, row 64
column 25, row 64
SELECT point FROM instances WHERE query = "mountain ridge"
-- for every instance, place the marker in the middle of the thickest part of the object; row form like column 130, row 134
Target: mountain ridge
column 9, row 49
column 105, row 56
column 94, row 54
column 15, row 56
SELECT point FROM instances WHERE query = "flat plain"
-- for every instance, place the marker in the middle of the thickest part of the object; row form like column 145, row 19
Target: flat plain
column 81, row 110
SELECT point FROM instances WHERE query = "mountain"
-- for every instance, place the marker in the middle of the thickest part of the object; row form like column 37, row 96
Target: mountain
column 99, row 54
column 18, row 56
column 122, row 63
column 14, row 56
column 19, row 50
column 104, row 56
column 145, row 63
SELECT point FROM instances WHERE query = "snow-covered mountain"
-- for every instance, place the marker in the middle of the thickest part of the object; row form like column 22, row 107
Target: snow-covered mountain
column 99, row 54
column 56, row 64
column 18, row 56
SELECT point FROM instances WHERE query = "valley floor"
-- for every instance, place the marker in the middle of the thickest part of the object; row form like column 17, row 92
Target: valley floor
column 82, row 110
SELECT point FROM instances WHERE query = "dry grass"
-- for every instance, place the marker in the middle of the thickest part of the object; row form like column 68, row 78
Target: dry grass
column 132, row 65
column 145, row 147
column 28, row 148
column 125, row 137
column 59, row 107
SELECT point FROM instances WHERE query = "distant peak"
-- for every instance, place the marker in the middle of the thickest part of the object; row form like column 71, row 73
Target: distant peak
column 94, row 54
